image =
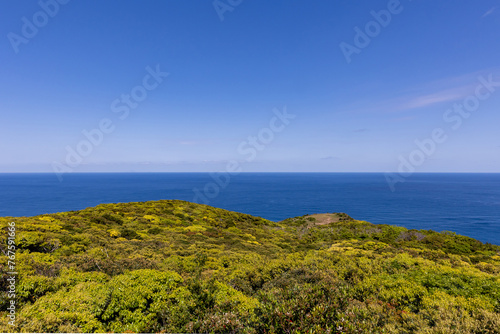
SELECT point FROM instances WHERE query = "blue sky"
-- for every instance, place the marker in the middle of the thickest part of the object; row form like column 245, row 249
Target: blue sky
column 64, row 65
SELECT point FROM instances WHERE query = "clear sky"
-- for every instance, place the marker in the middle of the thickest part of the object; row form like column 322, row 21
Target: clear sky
column 355, row 85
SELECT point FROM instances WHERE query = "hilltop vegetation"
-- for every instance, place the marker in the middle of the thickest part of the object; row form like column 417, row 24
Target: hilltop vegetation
column 174, row 266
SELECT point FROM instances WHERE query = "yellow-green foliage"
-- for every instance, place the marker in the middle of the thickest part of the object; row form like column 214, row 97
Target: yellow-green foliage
column 195, row 228
column 238, row 300
column 174, row 266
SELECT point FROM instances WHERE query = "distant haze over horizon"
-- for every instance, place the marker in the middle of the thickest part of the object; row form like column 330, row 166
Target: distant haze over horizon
column 250, row 86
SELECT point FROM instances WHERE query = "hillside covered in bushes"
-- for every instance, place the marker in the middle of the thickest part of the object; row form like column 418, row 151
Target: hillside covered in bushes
column 175, row 266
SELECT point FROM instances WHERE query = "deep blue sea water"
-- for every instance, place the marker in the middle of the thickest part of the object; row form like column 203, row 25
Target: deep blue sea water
column 468, row 204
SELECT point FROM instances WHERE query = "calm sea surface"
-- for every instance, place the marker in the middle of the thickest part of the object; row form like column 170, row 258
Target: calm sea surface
column 468, row 204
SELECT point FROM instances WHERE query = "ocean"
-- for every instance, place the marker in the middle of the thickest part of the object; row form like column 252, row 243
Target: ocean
column 467, row 204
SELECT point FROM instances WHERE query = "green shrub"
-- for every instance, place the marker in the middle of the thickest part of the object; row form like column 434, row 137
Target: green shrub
column 174, row 266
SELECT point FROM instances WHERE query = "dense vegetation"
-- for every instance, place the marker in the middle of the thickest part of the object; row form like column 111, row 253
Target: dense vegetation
column 174, row 266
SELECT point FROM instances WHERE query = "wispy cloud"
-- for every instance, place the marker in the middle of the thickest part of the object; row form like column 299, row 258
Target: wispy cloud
column 432, row 95
column 437, row 92
column 491, row 10
column 446, row 95
column 441, row 91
